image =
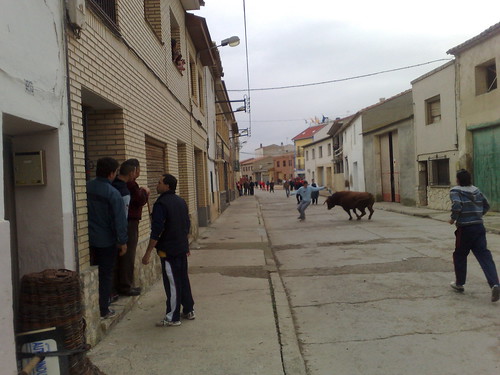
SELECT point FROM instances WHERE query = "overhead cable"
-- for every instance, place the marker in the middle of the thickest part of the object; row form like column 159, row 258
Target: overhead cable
column 340, row 79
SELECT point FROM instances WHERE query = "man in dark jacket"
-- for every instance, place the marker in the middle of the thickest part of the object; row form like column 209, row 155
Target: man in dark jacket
column 169, row 235
column 107, row 227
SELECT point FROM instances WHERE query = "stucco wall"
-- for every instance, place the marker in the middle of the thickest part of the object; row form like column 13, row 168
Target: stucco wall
column 475, row 109
column 353, row 149
column 33, row 99
column 393, row 115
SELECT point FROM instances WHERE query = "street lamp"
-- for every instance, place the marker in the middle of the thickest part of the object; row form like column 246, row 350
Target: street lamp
column 232, row 41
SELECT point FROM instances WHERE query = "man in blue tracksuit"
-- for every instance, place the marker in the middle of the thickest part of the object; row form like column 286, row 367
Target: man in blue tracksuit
column 107, row 227
column 305, row 191
column 170, row 226
column 467, row 210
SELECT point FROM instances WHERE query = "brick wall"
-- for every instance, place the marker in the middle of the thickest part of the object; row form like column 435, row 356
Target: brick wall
column 133, row 93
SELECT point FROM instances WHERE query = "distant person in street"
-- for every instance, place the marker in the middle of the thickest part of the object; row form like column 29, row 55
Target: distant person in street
column 297, row 184
column 251, row 186
column 467, row 210
column 286, row 186
column 169, row 235
column 314, row 194
column 138, row 198
column 305, row 192
column 107, row 228
column 271, row 187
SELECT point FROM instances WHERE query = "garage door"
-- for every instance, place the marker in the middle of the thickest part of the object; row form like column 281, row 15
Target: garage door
column 155, row 165
column 487, row 163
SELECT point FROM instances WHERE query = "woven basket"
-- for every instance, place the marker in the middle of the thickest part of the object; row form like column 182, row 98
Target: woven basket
column 53, row 298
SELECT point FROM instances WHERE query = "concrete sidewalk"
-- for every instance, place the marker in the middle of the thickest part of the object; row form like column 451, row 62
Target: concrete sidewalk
column 243, row 323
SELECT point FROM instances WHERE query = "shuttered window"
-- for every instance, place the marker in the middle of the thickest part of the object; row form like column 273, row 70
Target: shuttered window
column 155, row 165
column 433, row 108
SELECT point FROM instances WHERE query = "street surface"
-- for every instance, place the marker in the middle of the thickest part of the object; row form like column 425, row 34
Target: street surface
column 327, row 296
column 373, row 297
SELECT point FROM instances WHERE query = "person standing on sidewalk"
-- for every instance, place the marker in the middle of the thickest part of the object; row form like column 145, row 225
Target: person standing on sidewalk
column 305, row 191
column 169, row 235
column 125, row 265
column 107, row 227
column 468, row 207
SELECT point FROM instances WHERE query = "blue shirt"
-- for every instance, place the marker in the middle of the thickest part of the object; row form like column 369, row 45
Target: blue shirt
column 305, row 192
column 106, row 213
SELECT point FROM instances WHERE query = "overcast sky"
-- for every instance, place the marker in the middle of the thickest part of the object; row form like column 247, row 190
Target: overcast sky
column 298, row 42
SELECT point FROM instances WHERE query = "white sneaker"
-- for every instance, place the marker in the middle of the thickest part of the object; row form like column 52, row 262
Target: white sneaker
column 190, row 315
column 458, row 288
column 168, row 323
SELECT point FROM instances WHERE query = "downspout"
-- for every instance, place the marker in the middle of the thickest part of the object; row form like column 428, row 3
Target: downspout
column 71, row 154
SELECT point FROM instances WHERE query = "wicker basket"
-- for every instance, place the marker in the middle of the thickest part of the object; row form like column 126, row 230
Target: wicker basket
column 53, row 298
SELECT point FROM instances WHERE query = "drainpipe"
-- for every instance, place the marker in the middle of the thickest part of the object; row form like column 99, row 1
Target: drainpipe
column 71, row 156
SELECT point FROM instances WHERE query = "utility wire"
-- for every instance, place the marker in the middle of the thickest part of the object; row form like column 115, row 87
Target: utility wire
column 341, row 79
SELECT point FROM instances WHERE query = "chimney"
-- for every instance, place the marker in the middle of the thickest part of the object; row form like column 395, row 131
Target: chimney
column 261, row 145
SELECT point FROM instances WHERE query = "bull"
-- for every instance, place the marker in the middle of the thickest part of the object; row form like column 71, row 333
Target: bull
column 352, row 200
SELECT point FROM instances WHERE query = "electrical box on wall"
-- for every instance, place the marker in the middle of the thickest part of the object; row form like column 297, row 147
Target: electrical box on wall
column 29, row 168
column 76, row 12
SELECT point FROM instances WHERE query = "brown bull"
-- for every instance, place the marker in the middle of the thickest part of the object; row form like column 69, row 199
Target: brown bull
column 352, row 200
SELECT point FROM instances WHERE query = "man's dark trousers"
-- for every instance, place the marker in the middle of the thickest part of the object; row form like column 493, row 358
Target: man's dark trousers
column 125, row 264
column 105, row 258
column 473, row 237
column 177, row 286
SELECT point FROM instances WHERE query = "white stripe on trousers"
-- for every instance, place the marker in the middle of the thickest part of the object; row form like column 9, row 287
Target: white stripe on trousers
column 173, row 290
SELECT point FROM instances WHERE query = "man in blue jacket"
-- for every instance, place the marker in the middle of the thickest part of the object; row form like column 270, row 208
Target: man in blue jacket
column 170, row 225
column 467, row 210
column 305, row 191
column 107, row 227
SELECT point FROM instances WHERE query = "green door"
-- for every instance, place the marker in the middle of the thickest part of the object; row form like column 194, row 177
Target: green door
column 487, row 163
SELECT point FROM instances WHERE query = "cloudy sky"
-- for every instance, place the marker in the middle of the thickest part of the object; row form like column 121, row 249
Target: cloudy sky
column 303, row 42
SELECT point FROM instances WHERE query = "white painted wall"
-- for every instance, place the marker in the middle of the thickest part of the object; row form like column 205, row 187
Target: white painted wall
column 33, row 98
column 316, row 168
column 437, row 139
column 353, row 149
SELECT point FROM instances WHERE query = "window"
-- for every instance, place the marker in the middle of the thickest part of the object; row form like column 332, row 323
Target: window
column 201, row 97
column 433, row 110
column 329, row 149
column 152, row 14
column 314, row 153
column 307, row 155
column 278, row 163
column 290, row 162
column 486, row 77
column 175, row 35
column 439, row 172
column 106, row 10
column 194, row 81
column 320, row 152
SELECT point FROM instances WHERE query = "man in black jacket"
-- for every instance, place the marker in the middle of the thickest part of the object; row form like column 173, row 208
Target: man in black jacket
column 170, row 226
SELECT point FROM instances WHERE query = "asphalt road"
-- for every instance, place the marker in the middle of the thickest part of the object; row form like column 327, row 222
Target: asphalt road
column 373, row 297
